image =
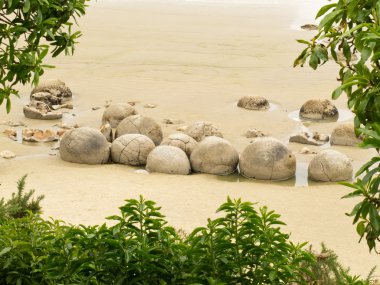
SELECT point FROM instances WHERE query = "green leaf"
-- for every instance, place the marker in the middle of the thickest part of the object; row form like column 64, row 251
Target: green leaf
column 313, row 61
column 8, row 105
column 329, row 19
column 324, row 10
column 337, row 92
column 360, row 228
column 26, row 7
column 374, row 217
column 5, row 250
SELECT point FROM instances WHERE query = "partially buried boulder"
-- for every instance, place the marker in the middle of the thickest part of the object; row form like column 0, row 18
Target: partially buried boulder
column 330, row 166
column 84, row 145
column 344, row 134
column 54, row 87
column 184, row 142
column 131, row 149
column 253, row 103
column 267, row 159
column 200, row 130
column 39, row 112
column 168, row 159
column 115, row 113
column 214, row 155
column 139, row 124
column 319, row 109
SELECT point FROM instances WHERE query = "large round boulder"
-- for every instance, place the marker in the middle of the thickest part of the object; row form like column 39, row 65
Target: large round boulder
column 253, row 103
column 344, row 134
column 84, row 145
column 183, row 141
column 55, row 87
column 139, row 124
column 115, row 113
column 330, row 165
column 168, row 159
column 319, row 109
column 131, row 149
column 267, row 159
column 214, row 155
column 200, row 130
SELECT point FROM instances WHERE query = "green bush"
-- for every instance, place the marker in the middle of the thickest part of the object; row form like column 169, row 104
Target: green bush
column 244, row 246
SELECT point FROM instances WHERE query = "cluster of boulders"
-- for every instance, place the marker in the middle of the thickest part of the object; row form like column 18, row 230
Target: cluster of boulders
column 126, row 137
column 47, row 99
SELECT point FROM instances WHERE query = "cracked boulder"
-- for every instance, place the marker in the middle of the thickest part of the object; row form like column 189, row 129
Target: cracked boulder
column 56, row 88
column 168, row 159
column 330, row 166
column 253, row 103
column 183, row 141
column 40, row 111
column 319, row 109
column 267, row 159
column 202, row 129
column 139, row 124
column 131, row 149
column 344, row 134
column 115, row 113
column 84, row 145
column 214, row 155
column 309, row 138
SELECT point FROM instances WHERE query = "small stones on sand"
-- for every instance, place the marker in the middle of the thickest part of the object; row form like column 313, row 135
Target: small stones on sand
column 182, row 128
column 150, row 106
column 168, row 159
column 344, row 134
column 267, row 159
column 184, row 142
column 305, row 150
column 172, row 121
column 200, row 130
column 84, row 145
column 141, row 171
column 66, row 126
column 319, row 109
column 95, row 108
column 139, row 124
column 34, row 135
column 131, row 149
column 253, row 133
column 309, row 138
column 7, row 154
column 214, row 155
column 330, row 166
column 115, row 113
column 253, row 103
column 12, row 124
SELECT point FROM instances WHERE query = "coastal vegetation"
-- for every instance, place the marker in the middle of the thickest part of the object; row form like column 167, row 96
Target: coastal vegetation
column 349, row 34
column 28, row 29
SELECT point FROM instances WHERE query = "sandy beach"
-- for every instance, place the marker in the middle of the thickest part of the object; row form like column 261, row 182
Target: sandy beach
column 194, row 60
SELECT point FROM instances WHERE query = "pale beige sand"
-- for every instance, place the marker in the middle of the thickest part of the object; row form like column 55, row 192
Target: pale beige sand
column 194, row 62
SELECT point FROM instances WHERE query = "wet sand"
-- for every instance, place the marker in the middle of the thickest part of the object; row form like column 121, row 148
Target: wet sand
column 194, row 60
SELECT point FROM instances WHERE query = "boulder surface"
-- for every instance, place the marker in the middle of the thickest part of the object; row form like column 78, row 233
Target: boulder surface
column 344, row 134
column 183, row 141
column 168, row 159
column 115, row 113
column 200, row 130
column 319, row 109
column 253, row 103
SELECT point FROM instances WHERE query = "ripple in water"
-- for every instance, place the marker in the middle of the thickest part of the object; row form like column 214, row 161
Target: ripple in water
column 344, row 115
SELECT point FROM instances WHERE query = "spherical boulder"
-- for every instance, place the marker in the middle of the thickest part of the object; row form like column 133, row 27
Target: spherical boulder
column 183, row 141
column 139, row 124
column 214, row 155
column 330, row 166
column 168, row 159
column 84, row 145
column 131, row 149
column 200, row 130
column 267, row 159
column 253, row 103
column 319, row 109
column 55, row 87
column 344, row 134
column 115, row 113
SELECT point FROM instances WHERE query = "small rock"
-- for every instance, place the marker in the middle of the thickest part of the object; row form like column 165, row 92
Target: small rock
column 33, row 113
column 253, row 103
column 7, row 154
column 55, row 147
column 10, row 132
column 150, row 106
column 172, row 121
column 67, row 106
column 95, row 108
column 309, row 27
column 115, row 113
column 309, row 138
column 253, row 133
column 319, row 109
column 200, row 130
